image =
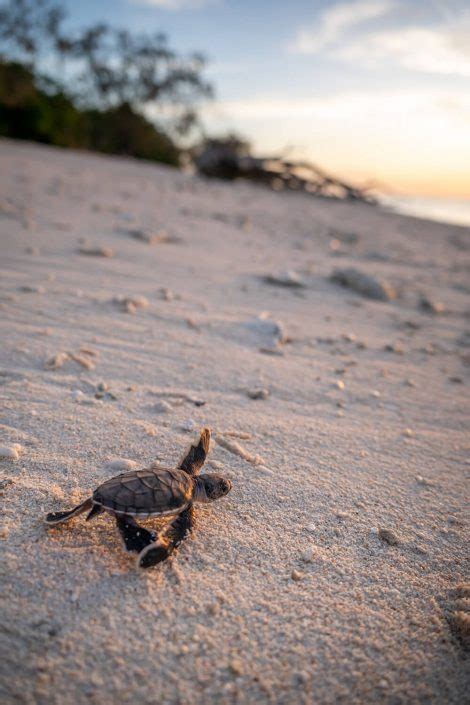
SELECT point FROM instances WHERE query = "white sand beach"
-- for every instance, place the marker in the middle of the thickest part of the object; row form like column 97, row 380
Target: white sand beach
column 134, row 309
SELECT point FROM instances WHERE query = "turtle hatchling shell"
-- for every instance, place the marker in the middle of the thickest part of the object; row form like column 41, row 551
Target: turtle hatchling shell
column 146, row 493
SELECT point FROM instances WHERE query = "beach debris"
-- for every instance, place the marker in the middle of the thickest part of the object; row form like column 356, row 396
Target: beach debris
column 243, row 435
column 189, row 425
column 409, row 433
column 163, row 407
column 424, row 481
column 388, row 536
column 56, row 361
column 428, row 305
column 32, row 289
column 102, row 391
column 120, row 465
column 287, row 278
column 83, row 358
column 80, row 398
column 179, row 397
column 237, row 449
column 339, row 384
column 4, row 483
column 154, row 492
column 296, row 575
column 130, row 304
column 230, row 159
column 152, row 238
column 96, row 251
column 365, row 284
column 237, row 667
column 11, row 452
column 396, row 348
column 258, row 393
column 166, row 294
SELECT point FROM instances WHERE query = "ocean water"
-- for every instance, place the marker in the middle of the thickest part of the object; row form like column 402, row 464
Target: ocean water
column 444, row 210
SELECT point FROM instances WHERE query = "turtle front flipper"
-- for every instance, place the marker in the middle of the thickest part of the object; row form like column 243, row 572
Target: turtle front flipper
column 135, row 537
column 54, row 518
column 168, row 539
column 197, row 454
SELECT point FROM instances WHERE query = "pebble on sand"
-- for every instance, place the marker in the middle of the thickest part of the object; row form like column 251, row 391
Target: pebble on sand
column 130, row 304
column 32, row 289
column 287, row 278
column 162, row 407
column 91, row 251
column 11, row 452
column 364, row 284
column 297, row 575
column 120, row 465
column 427, row 305
column 258, row 393
column 152, row 238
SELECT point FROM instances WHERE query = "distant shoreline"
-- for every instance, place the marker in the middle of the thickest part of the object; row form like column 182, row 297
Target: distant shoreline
column 455, row 211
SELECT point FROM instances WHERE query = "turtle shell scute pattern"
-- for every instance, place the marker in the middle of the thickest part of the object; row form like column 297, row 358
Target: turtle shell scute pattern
column 147, row 492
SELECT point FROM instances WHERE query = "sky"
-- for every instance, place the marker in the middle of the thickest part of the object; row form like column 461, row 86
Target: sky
column 377, row 91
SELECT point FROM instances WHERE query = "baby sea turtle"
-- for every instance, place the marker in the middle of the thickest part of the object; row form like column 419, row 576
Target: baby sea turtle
column 154, row 492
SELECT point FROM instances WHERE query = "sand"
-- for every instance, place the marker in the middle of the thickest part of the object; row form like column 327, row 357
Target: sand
column 334, row 572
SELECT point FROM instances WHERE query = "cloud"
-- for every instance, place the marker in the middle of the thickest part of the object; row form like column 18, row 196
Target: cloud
column 174, row 5
column 336, row 22
column 347, row 32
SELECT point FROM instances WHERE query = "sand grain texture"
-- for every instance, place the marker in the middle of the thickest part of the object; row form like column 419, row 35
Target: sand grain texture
column 286, row 593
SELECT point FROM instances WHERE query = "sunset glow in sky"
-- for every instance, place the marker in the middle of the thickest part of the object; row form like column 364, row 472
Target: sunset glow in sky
column 370, row 89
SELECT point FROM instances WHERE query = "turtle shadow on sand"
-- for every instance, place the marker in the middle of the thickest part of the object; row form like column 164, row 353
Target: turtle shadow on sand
column 154, row 492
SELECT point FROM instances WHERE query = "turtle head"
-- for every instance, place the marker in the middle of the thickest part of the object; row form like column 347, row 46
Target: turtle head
column 210, row 487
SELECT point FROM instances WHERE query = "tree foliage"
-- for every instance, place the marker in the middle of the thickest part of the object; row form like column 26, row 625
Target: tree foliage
column 92, row 77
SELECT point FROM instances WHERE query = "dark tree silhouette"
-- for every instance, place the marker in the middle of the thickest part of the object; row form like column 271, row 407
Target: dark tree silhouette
column 107, row 67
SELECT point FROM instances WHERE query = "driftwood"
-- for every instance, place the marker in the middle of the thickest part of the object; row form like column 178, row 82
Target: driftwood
column 230, row 160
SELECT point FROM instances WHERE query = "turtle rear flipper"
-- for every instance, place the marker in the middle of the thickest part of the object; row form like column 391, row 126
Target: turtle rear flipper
column 195, row 457
column 54, row 518
column 168, row 540
column 135, row 537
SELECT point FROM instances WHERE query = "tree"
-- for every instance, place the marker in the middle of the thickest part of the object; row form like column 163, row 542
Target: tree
column 107, row 67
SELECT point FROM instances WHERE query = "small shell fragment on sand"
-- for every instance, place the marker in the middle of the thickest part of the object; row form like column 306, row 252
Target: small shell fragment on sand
column 287, row 278
column 388, row 537
column 11, row 452
column 237, row 449
column 364, row 284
